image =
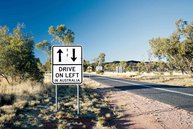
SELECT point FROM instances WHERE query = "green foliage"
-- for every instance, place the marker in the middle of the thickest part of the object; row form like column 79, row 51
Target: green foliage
column 129, row 68
column 158, row 66
column 110, row 66
column 62, row 34
column 85, row 64
column 178, row 48
column 100, row 59
column 124, row 65
column 107, row 67
column 141, row 67
column 171, row 73
column 100, row 72
column 95, row 63
column 132, row 67
column 17, row 60
column 89, row 69
column 46, row 47
column 47, row 66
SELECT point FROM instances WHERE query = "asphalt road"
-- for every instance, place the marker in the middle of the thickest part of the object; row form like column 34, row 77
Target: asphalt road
column 180, row 97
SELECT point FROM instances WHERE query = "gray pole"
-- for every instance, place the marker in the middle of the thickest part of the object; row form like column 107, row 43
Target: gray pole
column 78, row 101
column 56, row 97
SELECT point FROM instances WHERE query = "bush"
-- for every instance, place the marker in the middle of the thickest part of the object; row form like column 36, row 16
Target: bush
column 171, row 73
column 100, row 72
column 7, row 99
column 17, row 59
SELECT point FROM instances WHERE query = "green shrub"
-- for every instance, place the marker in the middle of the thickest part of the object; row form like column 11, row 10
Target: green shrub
column 100, row 72
column 17, row 60
column 7, row 99
column 171, row 73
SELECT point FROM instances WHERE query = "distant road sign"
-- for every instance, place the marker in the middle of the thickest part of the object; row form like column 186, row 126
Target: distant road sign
column 67, row 65
column 119, row 69
column 98, row 68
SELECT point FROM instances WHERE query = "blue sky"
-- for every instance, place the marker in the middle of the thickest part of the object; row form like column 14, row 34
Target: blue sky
column 119, row 28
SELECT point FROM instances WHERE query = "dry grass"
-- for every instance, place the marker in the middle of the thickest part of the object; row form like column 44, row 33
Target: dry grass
column 176, row 78
column 88, row 83
column 33, row 105
column 27, row 86
column 16, row 97
column 170, row 80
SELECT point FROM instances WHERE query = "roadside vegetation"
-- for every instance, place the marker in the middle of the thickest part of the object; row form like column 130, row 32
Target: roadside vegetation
column 17, row 60
column 176, row 79
column 14, row 98
column 35, row 108
column 21, row 74
column 27, row 97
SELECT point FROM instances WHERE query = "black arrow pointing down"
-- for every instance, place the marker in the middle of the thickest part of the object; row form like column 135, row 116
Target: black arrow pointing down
column 73, row 55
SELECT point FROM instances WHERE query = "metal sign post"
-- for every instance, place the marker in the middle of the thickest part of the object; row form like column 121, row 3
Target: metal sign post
column 56, row 97
column 89, row 69
column 78, row 100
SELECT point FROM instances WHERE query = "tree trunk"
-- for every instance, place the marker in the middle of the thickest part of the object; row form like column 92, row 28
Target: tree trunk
column 5, row 78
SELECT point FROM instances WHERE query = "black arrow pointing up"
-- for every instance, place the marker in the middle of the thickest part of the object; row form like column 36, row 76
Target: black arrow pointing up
column 73, row 55
column 60, row 52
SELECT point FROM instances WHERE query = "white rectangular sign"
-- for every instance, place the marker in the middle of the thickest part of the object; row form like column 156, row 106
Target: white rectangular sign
column 66, row 65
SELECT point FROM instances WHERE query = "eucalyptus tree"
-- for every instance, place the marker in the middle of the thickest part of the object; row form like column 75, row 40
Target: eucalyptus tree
column 45, row 46
column 178, row 48
column 61, row 34
column 101, row 58
column 17, row 59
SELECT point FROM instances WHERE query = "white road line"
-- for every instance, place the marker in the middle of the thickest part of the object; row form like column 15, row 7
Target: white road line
column 162, row 89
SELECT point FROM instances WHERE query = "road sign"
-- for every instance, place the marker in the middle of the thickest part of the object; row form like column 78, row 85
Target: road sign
column 99, row 68
column 66, row 65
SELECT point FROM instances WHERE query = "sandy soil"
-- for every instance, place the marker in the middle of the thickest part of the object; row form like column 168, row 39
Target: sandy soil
column 142, row 113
